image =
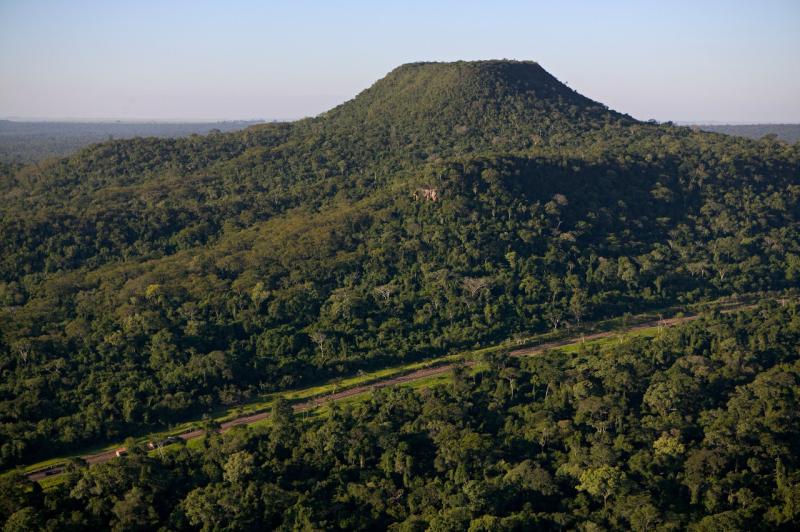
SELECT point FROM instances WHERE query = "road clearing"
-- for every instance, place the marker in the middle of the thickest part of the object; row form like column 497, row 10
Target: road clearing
column 320, row 400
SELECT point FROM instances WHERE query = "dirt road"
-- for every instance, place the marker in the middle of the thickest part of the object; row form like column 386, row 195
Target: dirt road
column 314, row 402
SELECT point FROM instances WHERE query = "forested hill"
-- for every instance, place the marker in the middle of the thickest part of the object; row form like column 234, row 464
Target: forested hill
column 418, row 116
column 440, row 109
column 451, row 204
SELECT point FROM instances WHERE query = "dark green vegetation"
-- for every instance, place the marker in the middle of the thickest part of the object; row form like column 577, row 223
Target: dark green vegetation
column 696, row 428
column 785, row 132
column 146, row 281
column 27, row 142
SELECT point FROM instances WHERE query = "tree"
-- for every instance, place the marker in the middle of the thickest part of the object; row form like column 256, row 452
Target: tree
column 24, row 520
column 18, row 492
column 283, row 430
column 602, row 481
column 385, row 291
column 642, row 514
column 577, row 304
column 321, row 339
column 669, row 445
column 135, row 511
column 238, row 467
column 474, row 285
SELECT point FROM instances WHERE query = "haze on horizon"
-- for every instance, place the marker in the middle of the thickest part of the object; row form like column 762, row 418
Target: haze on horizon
column 732, row 62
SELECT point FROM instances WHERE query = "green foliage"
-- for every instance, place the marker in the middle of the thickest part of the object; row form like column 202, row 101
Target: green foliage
column 146, row 281
column 470, row 456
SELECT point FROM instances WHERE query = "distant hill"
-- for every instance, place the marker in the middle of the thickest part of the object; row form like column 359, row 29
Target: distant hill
column 785, row 132
column 25, row 142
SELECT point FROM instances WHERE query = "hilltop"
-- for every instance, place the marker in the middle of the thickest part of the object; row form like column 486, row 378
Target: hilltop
column 147, row 280
column 469, row 106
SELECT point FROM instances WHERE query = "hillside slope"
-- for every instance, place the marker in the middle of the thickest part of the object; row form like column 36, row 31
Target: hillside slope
column 148, row 280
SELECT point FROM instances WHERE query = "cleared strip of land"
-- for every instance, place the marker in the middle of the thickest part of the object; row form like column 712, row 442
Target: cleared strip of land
column 313, row 397
column 419, row 374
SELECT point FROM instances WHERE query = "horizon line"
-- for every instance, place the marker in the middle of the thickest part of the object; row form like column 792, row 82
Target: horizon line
column 119, row 120
column 173, row 120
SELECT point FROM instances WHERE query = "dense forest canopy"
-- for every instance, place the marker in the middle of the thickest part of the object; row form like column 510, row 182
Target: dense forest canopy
column 697, row 428
column 450, row 205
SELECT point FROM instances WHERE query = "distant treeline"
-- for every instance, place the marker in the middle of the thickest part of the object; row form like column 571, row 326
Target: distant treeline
column 785, row 132
column 26, row 142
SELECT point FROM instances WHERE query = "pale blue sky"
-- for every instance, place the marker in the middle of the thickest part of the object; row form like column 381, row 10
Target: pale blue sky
column 699, row 60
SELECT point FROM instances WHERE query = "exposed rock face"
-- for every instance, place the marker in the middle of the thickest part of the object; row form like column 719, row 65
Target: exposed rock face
column 429, row 194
